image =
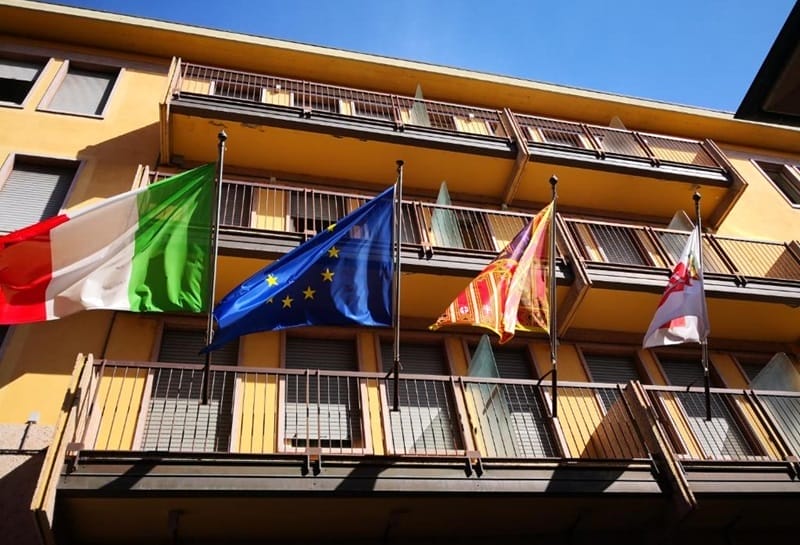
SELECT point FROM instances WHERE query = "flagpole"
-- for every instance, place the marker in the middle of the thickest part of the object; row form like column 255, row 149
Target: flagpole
column 704, row 340
column 398, row 210
column 216, row 211
column 552, row 294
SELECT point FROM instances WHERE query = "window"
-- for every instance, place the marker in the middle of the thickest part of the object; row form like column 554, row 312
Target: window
column 237, row 203
column 238, row 89
column 785, row 177
column 32, row 191
column 611, row 369
column 513, row 420
column 618, row 244
column 83, row 91
column 17, row 78
column 313, row 212
column 322, row 410
column 177, row 421
column 426, row 422
column 561, row 137
column 374, row 110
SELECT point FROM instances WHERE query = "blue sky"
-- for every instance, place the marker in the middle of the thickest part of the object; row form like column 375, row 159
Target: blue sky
column 696, row 52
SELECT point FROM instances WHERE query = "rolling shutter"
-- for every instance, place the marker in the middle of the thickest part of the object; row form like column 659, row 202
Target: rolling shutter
column 83, row 92
column 32, row 193
column 322, row 410
column 177, row 421
column 425, row 423
column 16, row 79
column 683, row 372
column 512, row 363
column 611, row 369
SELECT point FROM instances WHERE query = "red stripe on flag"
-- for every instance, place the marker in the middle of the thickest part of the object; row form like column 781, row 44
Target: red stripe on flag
column 26, row 268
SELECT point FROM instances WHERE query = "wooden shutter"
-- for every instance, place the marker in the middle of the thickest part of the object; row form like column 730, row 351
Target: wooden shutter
column 425, row 423
column 83, row 91
column 322, row 410
column 176, row 420
column 32, row 193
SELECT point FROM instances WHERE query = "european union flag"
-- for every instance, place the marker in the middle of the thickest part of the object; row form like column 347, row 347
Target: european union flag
column 342, row 276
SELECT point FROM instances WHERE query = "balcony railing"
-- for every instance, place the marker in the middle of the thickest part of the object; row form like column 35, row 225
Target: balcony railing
column 155, row 407
column 654, row 149
column 318, row 99
column 439, row 228
column 311, row 98
column 639, row 246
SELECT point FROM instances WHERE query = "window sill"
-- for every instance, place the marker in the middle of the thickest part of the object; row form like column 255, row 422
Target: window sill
column 73, row 114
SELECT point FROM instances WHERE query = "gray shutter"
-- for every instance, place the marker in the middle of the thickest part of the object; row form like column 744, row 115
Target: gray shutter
column 416, row 358
column 16, row 79
column 425, row 423
column 683, row 372
column 176, row 420
column 513, row 421
column 83, row 92
column 32, row 193
column 618, row 244
column 611, row 369
column 751, row 369
column 322, row 411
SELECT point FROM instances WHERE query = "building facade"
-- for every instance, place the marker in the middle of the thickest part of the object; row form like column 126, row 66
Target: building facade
column 105, row 438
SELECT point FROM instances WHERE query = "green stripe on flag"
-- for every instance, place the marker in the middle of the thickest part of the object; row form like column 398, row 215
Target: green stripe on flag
column 173, row 242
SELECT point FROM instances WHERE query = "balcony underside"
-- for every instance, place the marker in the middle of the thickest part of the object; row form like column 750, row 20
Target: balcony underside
column 232, row 500
column 478, row 168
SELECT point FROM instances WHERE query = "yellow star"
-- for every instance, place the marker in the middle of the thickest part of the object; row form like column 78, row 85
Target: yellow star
column 327, row 275
column 287, row 302
column 331, row 226
column 333, row 252
column 309, row 293
column 272, row 280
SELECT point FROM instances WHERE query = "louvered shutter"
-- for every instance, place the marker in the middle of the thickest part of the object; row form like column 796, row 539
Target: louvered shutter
column 425, row 422
column 512, row 363
column 177, row 421
column 16, row 79
column 326, row 410
column 683, row 372
column 612, row 369
column 83, row 92
column 32, row 193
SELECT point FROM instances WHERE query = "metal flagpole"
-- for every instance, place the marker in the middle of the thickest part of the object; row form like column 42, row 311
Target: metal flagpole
column 222, row 137
column 552, row 302
column 398, row 232
column 704, row 341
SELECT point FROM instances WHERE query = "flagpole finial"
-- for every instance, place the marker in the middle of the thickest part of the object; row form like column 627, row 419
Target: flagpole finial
column 553, row 180
column 696, row 196
column 400, row 163
column 222, row 136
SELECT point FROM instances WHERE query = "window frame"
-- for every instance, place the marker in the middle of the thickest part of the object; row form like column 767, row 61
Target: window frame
column 283, row 443
column 586, row 350
column 60, row 77
column 7, row 168
column 790, row 171
column 37, row 81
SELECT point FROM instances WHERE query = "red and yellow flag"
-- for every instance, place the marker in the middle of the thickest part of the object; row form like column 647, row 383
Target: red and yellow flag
column 511, row 293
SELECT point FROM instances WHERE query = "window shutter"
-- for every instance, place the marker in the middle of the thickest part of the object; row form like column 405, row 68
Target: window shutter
column 683, row 372
column 425, row 424
column 32, row 193
column 322, row 411
column 512, row 363
column 83, row 92
column 416, row 359
column 25, row 71
column 177, row 421
column 612, row 369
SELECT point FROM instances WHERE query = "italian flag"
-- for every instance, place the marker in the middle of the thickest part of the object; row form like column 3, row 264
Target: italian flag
column 143, row 251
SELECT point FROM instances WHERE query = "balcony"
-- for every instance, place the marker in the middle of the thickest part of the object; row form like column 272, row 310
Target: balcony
column 278, row 441
column 280, row 124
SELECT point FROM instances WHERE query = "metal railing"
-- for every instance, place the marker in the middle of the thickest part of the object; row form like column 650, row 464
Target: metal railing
column 313, row 98
column 599, row 141
column 739, row 429
column 641, row 246
column 156, row 407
